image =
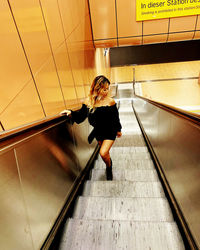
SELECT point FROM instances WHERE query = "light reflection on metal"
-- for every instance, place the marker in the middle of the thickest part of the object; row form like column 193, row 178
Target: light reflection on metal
column 49, row 162
column 176, row 143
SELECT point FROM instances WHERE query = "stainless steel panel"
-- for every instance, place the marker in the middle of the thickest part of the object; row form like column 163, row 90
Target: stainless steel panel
column 177, row 147
column 48, row 162
column 83, row 149
column 149, row 115
column 48, row 169
column 164, row 138
column 14, row 226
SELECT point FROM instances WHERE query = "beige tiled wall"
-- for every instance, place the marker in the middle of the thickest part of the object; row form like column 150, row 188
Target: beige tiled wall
column 167, row 70
column 122, row 74
column 47, row 61
column 177, row 92
column 175, row 84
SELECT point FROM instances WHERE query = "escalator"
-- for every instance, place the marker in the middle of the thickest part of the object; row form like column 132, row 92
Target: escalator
column 130, row 212
column 152, row 202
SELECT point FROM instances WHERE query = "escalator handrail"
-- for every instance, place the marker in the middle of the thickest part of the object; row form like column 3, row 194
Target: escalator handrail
column 26, row 127
column 185, row 114
column 7, row 134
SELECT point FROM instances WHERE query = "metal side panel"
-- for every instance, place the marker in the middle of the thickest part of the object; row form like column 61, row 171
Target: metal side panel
column 177, row 147
column 83, row 148
column 45, row 184
column 15, row 230
column 48, row 162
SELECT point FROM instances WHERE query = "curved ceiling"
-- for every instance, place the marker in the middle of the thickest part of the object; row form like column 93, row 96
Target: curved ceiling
column 114, row 24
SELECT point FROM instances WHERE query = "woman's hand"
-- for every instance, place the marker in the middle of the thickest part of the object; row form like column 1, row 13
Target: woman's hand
column 66, row 112
column 119, row 134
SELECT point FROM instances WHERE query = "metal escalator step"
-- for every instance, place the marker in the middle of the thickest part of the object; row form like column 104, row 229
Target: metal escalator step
column 133, row 156
column 130, row 123
column 112, row 235
column 126, row 175
column 128, row 149
column 130, row 131
column 127, row 164
column 127, row 117
column 127, row 109
column 135, row 209
column 123, row 189
column 130, row 140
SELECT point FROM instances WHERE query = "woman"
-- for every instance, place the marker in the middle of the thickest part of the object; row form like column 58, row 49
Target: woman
column 103, row 115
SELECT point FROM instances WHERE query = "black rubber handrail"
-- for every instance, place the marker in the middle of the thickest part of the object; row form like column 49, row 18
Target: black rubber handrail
column 31, row 127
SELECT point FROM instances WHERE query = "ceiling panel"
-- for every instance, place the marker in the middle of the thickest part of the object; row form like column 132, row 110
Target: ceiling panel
column 155, row 39
column 198, row 23
column 105, row 43
column 182, row 23
column 180, row 36
column 103, row 19
column 197, row 35
column 130, row 41
column 155, row 26
column 127, row 25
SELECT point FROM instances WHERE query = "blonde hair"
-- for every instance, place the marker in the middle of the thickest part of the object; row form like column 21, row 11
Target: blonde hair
column 95, row 89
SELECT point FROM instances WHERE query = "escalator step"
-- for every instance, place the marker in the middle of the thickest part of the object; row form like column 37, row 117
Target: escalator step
column 127, row 164
column 123, row 189
column 104, row 235
column 134, row 209
column 126, row 175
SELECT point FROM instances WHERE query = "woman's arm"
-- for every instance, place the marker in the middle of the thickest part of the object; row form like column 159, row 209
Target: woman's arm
column 116, row 120
column 77, row 116
column 66, row 112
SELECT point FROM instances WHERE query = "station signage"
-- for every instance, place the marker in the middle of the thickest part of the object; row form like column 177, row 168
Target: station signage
column 154, row 9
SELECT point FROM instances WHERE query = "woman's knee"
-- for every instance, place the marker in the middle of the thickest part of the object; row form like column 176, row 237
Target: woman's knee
column 104, row 153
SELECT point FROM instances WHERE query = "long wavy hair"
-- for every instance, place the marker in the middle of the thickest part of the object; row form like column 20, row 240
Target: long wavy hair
column 98, row 84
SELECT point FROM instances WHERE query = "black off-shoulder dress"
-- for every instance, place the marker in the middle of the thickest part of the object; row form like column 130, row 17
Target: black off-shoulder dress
column 104, row 119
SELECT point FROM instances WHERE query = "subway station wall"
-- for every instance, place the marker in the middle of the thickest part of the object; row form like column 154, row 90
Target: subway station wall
column 114, row 24
column 48, row 59
column 176, row 84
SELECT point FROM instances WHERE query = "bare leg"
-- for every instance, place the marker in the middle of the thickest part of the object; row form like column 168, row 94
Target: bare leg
column 104, row 151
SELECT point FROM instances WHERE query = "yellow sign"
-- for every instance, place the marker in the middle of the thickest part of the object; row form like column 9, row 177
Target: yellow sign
column 152, row 9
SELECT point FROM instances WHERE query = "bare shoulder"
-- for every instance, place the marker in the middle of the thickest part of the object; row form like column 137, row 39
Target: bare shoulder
column 111, row 101
column 86, row 101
